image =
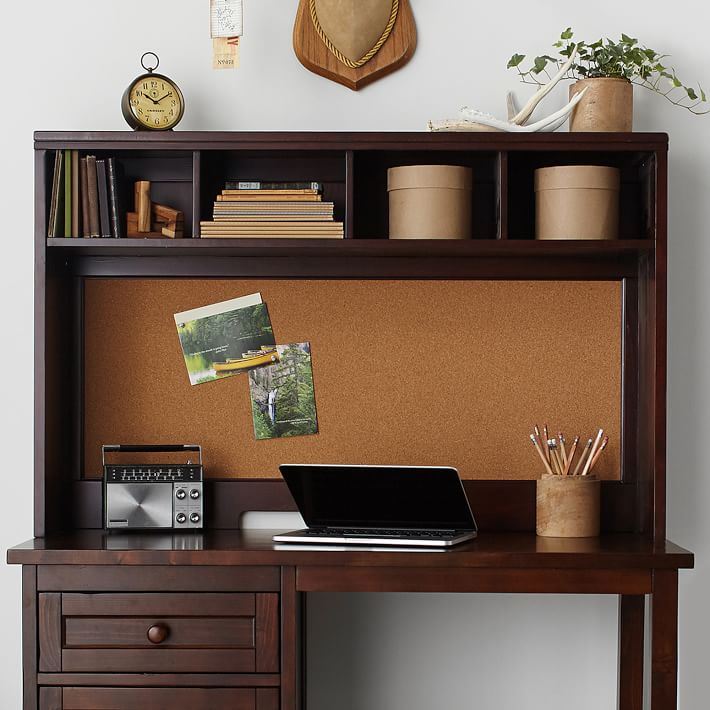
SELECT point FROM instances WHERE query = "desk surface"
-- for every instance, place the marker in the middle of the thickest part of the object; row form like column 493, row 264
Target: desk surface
column 255, row 547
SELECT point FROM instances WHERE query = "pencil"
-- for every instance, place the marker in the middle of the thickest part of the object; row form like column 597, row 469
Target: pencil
column 593, row 451
column 598, row 454
column 555, row 456
column 539, row 440
column 586, row 448
column 540, row 454
column 562, row 448
column 573, row 448
column 546, row 441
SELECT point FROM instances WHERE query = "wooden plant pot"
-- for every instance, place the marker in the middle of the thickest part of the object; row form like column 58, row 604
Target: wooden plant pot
column 568, row 506
column 607, row 105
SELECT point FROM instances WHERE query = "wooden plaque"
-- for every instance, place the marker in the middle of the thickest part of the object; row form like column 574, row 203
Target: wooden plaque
column 315, row 55
column 405, row 372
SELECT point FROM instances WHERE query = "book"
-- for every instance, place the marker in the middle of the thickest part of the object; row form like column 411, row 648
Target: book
column 54, row 209
column 67, row 193
column 268, row 185
column 245, row 196
column 93, row 195
column 75, row 194
column 85, row 231
column 114, row 198
column 225, row 339
column 102, row 186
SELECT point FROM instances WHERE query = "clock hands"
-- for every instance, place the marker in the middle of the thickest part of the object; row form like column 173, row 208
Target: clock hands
column 163, row 97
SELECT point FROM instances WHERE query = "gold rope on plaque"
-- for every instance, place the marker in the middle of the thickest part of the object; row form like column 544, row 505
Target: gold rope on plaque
column 338, row 54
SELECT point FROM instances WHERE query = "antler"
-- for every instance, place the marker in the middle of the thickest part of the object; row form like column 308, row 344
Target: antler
column 473, row 120
column 539, row 95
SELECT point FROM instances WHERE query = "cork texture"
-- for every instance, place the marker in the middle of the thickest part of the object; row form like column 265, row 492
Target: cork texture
column 405, row 372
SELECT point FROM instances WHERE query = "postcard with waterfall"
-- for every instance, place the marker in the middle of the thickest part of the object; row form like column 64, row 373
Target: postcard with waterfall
column 283, row 402
column 226, row 338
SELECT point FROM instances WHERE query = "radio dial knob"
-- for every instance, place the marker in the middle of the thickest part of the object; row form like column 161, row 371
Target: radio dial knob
column 194, row 517
column 194, row 494
column 181, row 517
column 180, row 493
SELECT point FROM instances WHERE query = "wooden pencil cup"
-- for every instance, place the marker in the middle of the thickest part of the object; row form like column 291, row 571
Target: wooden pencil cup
column 568, row 506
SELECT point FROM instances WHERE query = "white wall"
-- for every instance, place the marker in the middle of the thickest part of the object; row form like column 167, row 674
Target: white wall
column 64, row 67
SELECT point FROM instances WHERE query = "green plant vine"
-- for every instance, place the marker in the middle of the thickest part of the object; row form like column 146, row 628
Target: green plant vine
column 625, row 59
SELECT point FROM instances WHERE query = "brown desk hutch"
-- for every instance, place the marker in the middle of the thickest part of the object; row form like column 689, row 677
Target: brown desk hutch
column 214, row 620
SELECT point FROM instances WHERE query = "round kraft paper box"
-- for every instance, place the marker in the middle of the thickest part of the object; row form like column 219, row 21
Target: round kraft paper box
column 577, row 202
column 430, row 202
column 567, row 506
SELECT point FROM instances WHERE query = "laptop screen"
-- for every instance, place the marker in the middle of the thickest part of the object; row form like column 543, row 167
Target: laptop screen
column 379, row 496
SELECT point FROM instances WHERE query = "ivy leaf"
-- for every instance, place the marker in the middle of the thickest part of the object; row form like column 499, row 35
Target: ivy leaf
column 515, row 60
column 567, row 34
column 627, row 39
column 539, row 65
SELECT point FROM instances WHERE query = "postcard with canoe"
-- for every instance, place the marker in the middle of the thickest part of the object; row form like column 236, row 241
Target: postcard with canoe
column 283, row 402
column 226, row 338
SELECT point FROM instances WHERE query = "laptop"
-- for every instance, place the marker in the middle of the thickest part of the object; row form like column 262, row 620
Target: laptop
column 418, row 506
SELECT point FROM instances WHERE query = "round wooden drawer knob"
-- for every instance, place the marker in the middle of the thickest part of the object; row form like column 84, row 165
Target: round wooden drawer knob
column 158, row 633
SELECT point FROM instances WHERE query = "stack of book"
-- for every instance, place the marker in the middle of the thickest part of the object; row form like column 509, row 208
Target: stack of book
column 85, row 197
column 272, row 210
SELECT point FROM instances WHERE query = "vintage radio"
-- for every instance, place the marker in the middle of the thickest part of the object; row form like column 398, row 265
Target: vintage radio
column 140, row 496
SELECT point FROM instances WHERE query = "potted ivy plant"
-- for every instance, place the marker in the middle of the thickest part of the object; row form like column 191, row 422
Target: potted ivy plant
column 608, row 70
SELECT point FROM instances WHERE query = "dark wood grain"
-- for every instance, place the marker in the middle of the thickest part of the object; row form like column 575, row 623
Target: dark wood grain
column 631, row 651
column 132, row 632
column 50, row 632
column 158, row 660
column 403, row 579
column 664, row 640
column 163, row 680
column 159, row 698
column 50, row 699
column 290, row 643
column 267, row 629
column 315, row 140
column 267, row 699
column 29, row 637
column 232, row 560
column 203, row 604
column 89, row 578
column 659, row 316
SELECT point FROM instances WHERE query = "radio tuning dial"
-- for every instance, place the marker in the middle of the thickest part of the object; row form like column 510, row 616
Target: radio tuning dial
column 194, row 494
column 181, row 517
column 194, row 518
column 180, row 493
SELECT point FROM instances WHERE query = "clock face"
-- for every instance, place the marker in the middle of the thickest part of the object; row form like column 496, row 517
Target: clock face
column 155, row 102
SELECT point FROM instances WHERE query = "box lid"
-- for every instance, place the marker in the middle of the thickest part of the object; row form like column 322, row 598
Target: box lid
column 453, row 177
column 566, row 177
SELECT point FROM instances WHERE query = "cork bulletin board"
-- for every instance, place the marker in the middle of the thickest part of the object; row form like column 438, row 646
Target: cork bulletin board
column 405, row 372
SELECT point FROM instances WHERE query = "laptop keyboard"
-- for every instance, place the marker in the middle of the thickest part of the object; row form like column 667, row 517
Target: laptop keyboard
column 384, row 532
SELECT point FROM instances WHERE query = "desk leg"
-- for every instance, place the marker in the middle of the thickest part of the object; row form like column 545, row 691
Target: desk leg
column 631, row 650
column 290, row 641
column 664, row 640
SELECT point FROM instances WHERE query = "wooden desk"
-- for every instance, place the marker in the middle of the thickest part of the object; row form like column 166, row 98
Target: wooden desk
column 88, row 595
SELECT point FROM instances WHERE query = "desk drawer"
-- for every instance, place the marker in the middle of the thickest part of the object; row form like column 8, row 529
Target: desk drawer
column 158, row 698
column 158, row 633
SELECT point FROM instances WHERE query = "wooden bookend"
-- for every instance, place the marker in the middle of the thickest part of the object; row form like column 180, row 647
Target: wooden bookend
column 314, row 54
column 142, row 206
column 132, row 231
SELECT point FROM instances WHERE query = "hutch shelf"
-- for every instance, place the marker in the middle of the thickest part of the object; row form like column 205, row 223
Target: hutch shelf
column 228, row 603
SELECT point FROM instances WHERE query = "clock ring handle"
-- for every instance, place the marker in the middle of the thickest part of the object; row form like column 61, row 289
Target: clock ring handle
column 149, row 68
